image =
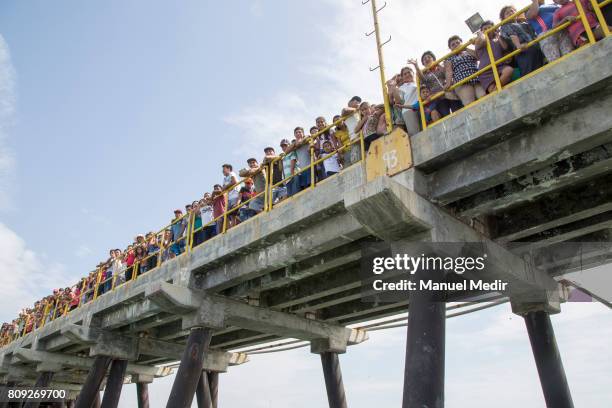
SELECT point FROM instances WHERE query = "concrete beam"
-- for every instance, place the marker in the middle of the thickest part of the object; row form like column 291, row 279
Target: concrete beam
column 218, row 312
column 573, row 170
column 524, row 104
column 296, row 272
column 214, row 360
column 103, row 343
column 384, row 196
column 525, row 153
column 83, row 363
column 567, row 206
column 570, row 231
column 295, row 247
column 329, row 283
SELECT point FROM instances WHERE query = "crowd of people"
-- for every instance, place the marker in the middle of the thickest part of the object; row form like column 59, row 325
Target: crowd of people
column 305, row 161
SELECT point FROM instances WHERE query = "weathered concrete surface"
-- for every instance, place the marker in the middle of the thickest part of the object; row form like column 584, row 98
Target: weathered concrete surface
column 568, row 135
column 529, row 102
column 294, row 271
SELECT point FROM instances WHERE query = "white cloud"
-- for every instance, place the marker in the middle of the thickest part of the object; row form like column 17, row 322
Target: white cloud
column 83, row 251
column 7, row 111
column 26, row 276
column 256, row 8
column 338, row 68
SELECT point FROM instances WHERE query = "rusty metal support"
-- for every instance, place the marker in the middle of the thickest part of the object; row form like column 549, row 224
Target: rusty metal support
column 548, row 360
column 333, row 380
column 114, row 384
column 213, row 382
column 142, row 393
column 203, row 392
column 90, row 393
column 190, row 369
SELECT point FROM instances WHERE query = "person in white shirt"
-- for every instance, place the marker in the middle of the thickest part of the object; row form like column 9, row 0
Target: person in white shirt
column 230, row 179
column 331, row 164
column 408, row 94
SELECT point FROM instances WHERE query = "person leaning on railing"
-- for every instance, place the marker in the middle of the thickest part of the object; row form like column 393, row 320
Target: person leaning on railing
column 290, row 168
column 460, row 66
column 404, row 97
column 301, row 146
column 540, row 17
column 433, row 77
column 568, row 12
column 515, row 35
column 504, row 70
column 274, row 166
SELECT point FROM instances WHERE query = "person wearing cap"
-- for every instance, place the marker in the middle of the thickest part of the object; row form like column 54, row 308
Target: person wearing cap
column 290, row 168
column 274, row 168
column 178, row 227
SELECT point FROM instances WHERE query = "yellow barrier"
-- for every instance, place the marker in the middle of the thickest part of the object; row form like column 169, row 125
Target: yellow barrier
column 495, row 62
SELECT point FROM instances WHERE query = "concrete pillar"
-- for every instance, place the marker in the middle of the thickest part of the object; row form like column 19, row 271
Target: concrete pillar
column 3, row 394
column 424, row 366
column 59, row 404
column 333, row 380
column 142, row 393
column 114, row 384
column 203, row 396
column 43, row 381
column 213, row 382
column 91, row 388
column 190, row 369
column 546, row 353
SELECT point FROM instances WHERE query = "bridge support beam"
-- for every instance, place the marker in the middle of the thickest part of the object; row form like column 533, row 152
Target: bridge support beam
column 91, row 388
column 548, row 360
column 333, row 380
column 424, row 369
column 142, row 394
column 213, row 383
column 43, row 381
column 114, row 384
column 4, row 392
column 190, row 369
column 96, row 401
column 203, row 394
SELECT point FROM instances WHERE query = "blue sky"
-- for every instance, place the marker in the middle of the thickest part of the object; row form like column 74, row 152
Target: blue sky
column 113, row 113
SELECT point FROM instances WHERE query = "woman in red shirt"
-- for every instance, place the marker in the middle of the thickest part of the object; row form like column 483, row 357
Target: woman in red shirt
column 576, row 30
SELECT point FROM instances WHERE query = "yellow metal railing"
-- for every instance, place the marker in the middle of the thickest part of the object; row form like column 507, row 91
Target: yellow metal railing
column 495, row 62
column 185, row 243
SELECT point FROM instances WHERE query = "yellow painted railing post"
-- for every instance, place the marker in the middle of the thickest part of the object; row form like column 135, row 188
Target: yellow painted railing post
column 44, row 317
column 269, row 184
column 135, row 267
column 190, row 226
column 585, row 21
column 362, row 144
column 97, row 284
column 421, row 106
column 83, row 287
column 25, row 326
column 312, row 168
column 224, row 227
column 492, row 62
column 381, row 65
column 600, row 17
